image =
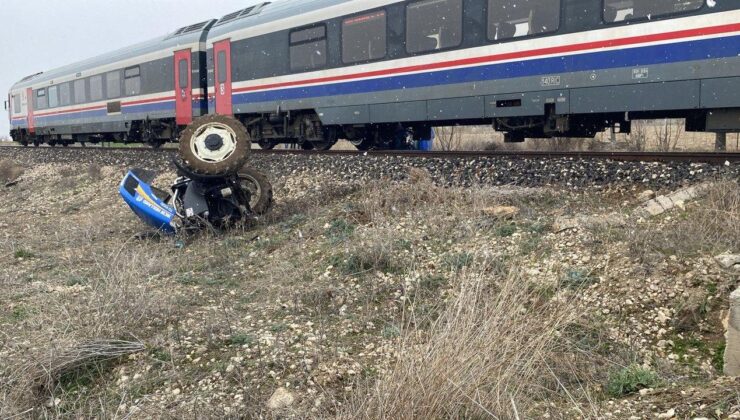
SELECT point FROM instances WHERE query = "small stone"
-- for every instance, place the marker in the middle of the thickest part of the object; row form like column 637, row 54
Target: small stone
column 668, row 414
column 281, row 398
column 646, row 195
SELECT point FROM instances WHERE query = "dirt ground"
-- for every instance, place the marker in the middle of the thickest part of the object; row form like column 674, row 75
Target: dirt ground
column 379, row 300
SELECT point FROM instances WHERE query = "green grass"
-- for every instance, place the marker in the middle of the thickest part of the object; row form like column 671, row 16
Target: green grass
column 23, row 253
column 577, row 279
column 240, row 339
column 504, row 231
column 456, row 262
column 339, row 231
column 630, row 380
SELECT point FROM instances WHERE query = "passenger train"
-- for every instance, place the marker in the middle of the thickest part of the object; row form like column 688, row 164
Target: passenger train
column 376, row 72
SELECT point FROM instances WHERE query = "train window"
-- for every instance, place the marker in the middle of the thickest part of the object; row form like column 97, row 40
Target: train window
column 53, row 97
column 17, row 104
column 308, row 48
column 183, row 73
column 133, row 81
column 509, row 19
column 364, row 37
column 41, row 99
column 221, row 67
column 627, row 10
column 113, row 84
column 79, row 87
column 65, row 96
column 96, row 88
column 433, row 25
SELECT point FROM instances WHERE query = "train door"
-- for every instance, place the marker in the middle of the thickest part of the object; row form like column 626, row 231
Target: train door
column 29, row 108
column 183, row 87
column 222, row 77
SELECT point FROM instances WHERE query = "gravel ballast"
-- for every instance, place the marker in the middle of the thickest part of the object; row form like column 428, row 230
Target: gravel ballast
column 460, row 171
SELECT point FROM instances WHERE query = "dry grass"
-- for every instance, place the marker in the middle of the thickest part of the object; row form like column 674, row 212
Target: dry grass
column 491, row 354
column 67, row 341
column 9, row 171
column 710, row 226
column 647, row 135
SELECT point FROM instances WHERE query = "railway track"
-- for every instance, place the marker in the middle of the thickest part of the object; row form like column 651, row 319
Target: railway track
column 699, row 157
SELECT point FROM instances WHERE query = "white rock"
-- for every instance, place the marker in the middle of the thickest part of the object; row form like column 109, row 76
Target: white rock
column 728, row 260
column 668, row 414
column 281, row 398
column 646, row 195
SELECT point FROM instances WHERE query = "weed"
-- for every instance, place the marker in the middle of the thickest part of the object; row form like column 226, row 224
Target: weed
column 94, row 172
column 339, row 231
column 23, row 254
column 577, row 279
column 505, row 230
column 631, row 379
column 240, row 339
column 718, row 356
column 278, row 328
column 432, row 283
column 75, row 281
column 390, row 331
column 20, row 313
column 9, row 171
column 457, row 262
column 160, row 354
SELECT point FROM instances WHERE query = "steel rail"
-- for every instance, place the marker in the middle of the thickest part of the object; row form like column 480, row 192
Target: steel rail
column 698, row 157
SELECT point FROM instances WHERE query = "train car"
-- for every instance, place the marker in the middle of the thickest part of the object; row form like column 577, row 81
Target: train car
column 377, row 72
column 145, row 93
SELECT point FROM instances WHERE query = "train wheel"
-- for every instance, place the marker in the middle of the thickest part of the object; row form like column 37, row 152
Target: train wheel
column 267, row 144
column 215, row 145
column 322, row 145
column 260, row 190
column 65, row 144
column 362, row 143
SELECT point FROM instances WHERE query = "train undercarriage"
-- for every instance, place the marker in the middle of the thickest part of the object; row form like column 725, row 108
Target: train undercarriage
column 305, row 130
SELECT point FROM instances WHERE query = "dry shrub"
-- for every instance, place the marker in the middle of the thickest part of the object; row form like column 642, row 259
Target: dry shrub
column 9, row 171
column 711, row 225
column 94, row 172
column 68, row 172
column 81, row 328
column 491, row 354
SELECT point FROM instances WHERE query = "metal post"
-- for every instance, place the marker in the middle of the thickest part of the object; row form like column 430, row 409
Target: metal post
column 720, row 144
column 614, row 136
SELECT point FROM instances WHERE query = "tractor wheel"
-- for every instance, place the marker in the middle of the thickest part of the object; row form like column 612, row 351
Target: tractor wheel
column 260, row 190
column 215, row 145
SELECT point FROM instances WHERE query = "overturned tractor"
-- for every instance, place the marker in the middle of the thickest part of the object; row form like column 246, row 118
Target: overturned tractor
column 216, row 189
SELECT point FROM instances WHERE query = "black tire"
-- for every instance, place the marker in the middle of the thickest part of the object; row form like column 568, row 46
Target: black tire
column 236, row 142
column 260, row 189
column 267, row 144
column 323, row 145
column 362, row 144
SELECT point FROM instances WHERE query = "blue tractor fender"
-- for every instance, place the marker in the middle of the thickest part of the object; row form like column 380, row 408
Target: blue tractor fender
column 142, row 199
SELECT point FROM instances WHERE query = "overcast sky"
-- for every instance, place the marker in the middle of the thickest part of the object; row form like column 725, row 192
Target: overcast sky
column 44, row 34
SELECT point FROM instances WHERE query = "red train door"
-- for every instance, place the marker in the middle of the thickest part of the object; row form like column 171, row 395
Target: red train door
column 222, row 77
column 29, row 109
column 183, row 87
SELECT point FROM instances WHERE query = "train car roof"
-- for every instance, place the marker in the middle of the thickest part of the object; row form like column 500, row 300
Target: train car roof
column 268, row 12
column 183, row 36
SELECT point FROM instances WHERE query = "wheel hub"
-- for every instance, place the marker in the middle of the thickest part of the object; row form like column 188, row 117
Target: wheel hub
column 213, row 142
